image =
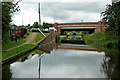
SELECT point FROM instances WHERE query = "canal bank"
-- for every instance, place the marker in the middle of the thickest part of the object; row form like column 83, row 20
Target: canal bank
column 76, row 47
column 64, row 63
column 20, row 51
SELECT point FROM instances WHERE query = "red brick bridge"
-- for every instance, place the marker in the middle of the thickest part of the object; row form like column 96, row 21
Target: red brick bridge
column 83, row 26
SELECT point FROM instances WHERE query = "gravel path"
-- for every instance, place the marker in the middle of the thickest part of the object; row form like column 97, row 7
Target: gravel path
column 30, row 37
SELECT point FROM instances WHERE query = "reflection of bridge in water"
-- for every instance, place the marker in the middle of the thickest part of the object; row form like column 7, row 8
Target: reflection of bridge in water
column 47, row 47
column 49, row 43
column 76, row 47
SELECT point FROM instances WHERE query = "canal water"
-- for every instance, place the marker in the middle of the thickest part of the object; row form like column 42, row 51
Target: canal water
column 59, row 63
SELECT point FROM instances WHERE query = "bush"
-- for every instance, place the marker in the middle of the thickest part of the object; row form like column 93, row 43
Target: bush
column 101, row 40
column 58, row 40
column 27, row 33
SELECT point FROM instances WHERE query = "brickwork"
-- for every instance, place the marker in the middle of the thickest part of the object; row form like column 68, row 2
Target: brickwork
column 47, row 39
column 98, row 28
column 47, row 43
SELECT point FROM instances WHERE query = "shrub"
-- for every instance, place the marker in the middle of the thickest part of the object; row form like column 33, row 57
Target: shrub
column 101, row 40
column 27, row 33
column 58, row 40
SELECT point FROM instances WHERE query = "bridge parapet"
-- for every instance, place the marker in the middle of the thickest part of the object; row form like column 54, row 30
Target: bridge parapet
column 49, row 38
column 98, row 26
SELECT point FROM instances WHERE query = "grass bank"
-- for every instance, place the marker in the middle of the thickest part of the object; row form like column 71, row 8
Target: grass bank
column 102, row 40
column 20, row 49
column 11, row 44
column 17, row 51
column 39, row 37
column 38, row 52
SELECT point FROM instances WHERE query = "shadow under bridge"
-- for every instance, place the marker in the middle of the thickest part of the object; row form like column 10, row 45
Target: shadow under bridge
column 89, row 28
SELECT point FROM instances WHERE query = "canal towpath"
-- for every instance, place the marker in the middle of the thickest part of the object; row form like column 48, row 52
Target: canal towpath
column 29, row 39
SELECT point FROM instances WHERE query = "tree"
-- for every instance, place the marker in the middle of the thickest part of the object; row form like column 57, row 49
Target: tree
column 36, row 25
column 7, row 9
column 47, row 25
column 111, row 17
column 28, row 26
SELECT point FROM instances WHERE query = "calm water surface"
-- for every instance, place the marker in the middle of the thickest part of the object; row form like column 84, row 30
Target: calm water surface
column 60, row 63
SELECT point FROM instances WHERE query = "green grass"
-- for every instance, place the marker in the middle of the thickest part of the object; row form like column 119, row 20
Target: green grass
column 46, row 34
column 38, row 52
column 101, row 40
column 17, row 50
column 39, row 37
column 11, row 44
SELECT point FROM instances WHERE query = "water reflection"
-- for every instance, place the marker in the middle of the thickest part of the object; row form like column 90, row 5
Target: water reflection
column 72, row 64
column 6, row 73
column 47, row 47
column 111, row 64
column 26, row 58
column 59, row 64
column 27, row 69
column 66, row 64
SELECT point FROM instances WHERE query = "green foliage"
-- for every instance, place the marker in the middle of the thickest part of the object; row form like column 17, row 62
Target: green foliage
column 111, row 17
column 36, row 25
column 79, row 38
column 17, row 50
column 46, row 34
column 38, row 52
column 72, row 38
column 58, row 39
column 100, row 41
column 25, row 35
column 66, row 32
column 7, row 73
column 84, row 32
column 42, row 27
column 7, row 9
column 28, row 26
column 46, row 25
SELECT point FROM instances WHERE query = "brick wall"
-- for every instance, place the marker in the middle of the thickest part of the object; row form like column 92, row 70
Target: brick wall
column 47, row 39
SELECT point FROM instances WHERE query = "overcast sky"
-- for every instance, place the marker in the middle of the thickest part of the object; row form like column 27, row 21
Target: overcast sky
column 62, row 11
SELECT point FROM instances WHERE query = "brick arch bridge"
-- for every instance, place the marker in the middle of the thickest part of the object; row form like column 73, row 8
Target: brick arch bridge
column 83, row 26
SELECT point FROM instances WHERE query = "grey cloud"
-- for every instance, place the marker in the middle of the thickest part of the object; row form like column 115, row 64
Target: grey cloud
column 29, row 6
column 86, row 7
column 80, row 6
column 62, row 11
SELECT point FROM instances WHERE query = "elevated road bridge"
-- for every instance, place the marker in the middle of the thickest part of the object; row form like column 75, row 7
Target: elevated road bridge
column 83, row 26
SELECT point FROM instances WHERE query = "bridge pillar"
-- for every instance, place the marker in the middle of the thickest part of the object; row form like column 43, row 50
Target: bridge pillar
column 99, row 27
column 57, row 28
